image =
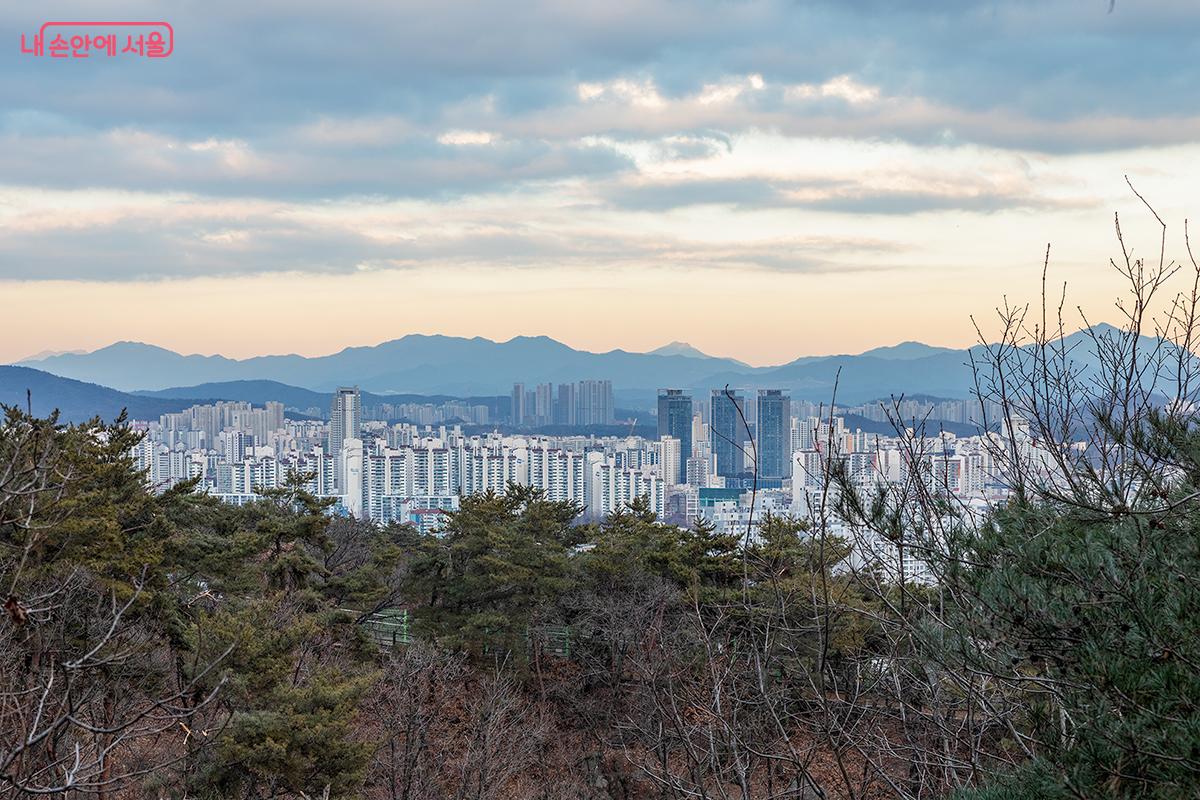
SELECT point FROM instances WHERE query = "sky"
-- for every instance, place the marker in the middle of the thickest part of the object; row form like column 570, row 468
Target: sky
column 762, row 179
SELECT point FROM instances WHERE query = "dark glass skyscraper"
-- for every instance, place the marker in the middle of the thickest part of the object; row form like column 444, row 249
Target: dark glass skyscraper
column 675, row 420
column 726, row 432
column 774, row 433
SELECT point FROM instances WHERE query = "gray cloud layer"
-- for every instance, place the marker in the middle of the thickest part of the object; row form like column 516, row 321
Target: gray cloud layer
column 244, row 68
column 310, row 102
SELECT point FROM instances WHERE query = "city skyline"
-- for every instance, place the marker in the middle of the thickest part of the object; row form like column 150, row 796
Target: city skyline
column 819, row 169
column 708, row 462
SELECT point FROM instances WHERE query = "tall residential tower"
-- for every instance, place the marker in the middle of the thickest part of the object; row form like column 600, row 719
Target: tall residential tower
column 727, row 432
column 345, row 423
column 675, row 420
column 774, row 433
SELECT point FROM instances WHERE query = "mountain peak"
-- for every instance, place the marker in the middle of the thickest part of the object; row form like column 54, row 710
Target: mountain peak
column 678, row 349
column 44, row 354
column 129, row 344
column 906, row 351
column 542, row 339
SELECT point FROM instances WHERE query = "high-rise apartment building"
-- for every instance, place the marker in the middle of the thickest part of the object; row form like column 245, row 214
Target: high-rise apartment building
column 613, row 486
column 774, row 433
column 345, row 422
column 697, row 472
column 595, row 403
column 530, row 406
column 543, row 404
column 670, row 460
column 351, row 458
column 567, row 405
column 675, row 420
column 588, row 402
column 727, row 432
column 345, row 417
column 518, row 404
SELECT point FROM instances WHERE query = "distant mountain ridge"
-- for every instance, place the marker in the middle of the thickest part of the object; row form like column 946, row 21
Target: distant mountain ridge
column 254, row 392
column 460, row 367
column 415, row 364
column 906, row 351
column 489, row 370
column 685, row 349
column 78, row 401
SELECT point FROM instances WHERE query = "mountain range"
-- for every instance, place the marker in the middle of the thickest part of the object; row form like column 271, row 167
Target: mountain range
column 259, row 392
column 434, row 368
column 445, row 365
column 77, row 401
column 151, row 380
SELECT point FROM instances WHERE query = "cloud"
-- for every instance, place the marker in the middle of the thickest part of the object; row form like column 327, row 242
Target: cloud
column 837, row 195
column 284, row 136
column 313, row 162
column 843, row 87
column 125, row 237
column 466, row 138
column 249, row 68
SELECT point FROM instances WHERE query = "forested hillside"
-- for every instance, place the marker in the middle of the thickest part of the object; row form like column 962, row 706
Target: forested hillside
column 171, row 646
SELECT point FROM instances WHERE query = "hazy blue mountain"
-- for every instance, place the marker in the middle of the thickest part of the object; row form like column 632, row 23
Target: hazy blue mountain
column 127, row 366
column 909, row 369
column 496, row 368
column 907, row 350
column 678, row 349
column 419, row 365
column 931, row 427
column 685, row 349
column 863, row 377
column 47, row 353
column 255, row 392
column 415, row 364
column 78, row 401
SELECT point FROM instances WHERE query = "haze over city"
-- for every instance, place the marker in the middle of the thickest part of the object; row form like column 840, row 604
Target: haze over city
column 763, row 180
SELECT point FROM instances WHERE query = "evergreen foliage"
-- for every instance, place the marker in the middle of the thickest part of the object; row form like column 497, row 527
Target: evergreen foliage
column 188, row 648
column 1097, row 612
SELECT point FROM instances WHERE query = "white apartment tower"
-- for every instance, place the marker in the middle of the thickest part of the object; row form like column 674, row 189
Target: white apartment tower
column 345, row 422
column 669, row 460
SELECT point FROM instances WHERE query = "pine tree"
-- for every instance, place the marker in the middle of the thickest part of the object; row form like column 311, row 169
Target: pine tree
column 499, row 561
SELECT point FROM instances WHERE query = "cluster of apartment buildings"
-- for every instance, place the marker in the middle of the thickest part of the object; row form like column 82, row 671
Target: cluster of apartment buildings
column 431, row 413
column 712, row 457
column 587, row 402
column 391, row 473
